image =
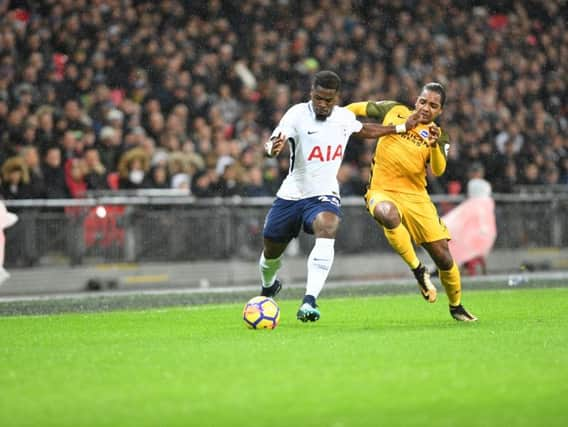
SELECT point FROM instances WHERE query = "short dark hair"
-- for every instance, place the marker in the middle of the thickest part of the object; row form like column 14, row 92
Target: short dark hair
column 438, row 88
column 328, row 80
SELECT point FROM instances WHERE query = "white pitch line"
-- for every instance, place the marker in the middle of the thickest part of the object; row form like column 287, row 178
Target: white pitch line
column 503, row 278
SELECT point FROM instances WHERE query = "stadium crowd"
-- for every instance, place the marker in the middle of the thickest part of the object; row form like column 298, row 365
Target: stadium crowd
column 128, row 94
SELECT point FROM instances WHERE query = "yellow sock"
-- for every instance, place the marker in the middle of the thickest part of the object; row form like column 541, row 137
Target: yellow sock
column 399, row 239
column 451, row 280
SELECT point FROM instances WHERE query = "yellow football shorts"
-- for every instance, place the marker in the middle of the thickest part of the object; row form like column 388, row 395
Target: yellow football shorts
column 418, row 214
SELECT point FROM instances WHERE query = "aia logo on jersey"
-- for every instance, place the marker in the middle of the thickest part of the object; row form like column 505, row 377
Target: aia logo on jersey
column 326, row 153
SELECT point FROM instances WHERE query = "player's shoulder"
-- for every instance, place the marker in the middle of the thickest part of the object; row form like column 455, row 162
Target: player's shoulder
column 387, row 105
column 298, row 108
column 381, row 108
column 387, row 102
column 344, row 113
column 301, row 106
column 297, row 112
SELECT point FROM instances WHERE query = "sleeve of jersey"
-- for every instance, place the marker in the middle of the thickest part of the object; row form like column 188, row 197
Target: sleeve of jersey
column 354, row 125
column 358, row 108
column 438, row 154
column 376, row 110
column 287, row 125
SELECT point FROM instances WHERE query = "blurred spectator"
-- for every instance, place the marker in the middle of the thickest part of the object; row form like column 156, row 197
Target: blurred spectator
column 53, row 174
column 205, row 183
column 530, row 175
column 230, row 182
column 95, row 172
column 115, row 119
column 71, row 145
column 254, row 185
column 109, row 147
column 477, row 185
column 75, row 177
column 159, row 177
column 133, row 170
column 180, row 170
column 16, row 179
column 229, row 107
column 37, row 183
column 551, row 176
column 507, row 182
column 45, row 133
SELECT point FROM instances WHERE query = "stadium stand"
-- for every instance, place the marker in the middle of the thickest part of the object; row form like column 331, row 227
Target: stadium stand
column 176, row 94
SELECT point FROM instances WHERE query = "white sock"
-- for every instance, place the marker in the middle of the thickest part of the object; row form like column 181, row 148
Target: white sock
column 268, row 269
column 319, row 264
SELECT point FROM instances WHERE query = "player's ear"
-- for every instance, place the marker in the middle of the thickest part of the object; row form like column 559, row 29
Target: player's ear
column 440, row 111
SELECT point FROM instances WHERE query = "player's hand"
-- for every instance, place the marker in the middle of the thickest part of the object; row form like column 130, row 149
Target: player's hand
column 275, row 145
column 434, row 133
column 412, row 120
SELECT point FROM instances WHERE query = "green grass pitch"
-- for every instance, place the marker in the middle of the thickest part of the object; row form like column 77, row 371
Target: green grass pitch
column 389, row 360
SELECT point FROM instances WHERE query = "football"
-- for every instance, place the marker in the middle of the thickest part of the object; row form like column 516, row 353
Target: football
column 261, row 313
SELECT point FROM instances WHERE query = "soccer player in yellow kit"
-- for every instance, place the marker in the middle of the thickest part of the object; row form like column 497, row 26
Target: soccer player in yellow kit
column 397, row 198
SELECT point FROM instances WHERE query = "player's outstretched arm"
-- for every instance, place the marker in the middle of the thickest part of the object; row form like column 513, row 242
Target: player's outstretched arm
column 376, row 130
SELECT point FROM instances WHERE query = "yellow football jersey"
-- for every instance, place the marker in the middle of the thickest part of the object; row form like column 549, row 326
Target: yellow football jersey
column 400, row 160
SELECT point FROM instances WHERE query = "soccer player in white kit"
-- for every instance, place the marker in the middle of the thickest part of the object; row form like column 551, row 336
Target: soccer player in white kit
column 318, row 132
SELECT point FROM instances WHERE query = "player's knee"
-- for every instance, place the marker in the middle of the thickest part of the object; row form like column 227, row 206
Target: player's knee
column 273, row 249
column 387, row 214
column 326, row 226
column 327, row 231
column 444, row 260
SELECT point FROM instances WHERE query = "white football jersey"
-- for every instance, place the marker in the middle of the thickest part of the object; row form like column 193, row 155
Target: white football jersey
column 316, row 150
